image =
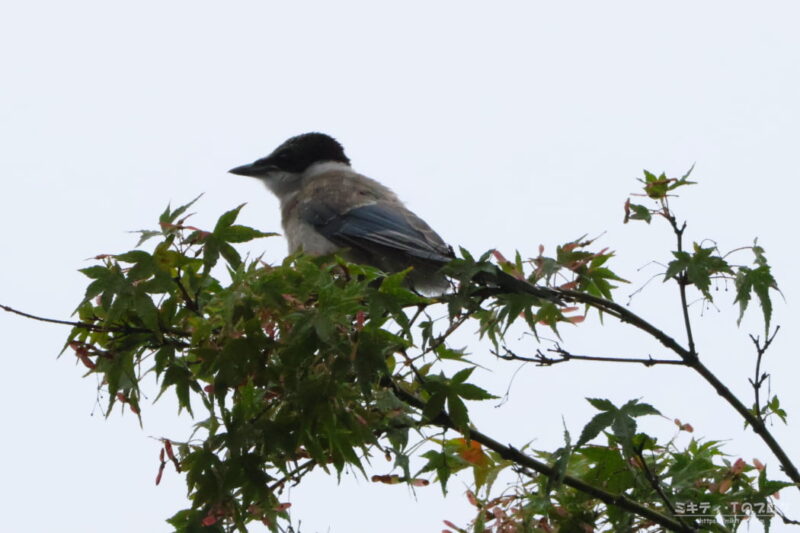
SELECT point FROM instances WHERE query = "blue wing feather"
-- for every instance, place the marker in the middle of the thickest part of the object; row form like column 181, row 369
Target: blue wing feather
column 388, row 226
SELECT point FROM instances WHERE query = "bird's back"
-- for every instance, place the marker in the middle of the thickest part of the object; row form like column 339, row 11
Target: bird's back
column 349, row 212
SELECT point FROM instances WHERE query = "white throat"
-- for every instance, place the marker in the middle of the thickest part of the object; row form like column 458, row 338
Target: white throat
column 286, row 184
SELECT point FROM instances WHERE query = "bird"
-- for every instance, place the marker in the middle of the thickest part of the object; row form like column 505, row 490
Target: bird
column 327, row 207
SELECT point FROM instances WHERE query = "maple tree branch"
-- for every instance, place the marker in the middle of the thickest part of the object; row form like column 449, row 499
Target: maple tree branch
column 510, row 453
column 692, row 361
column 624, row 315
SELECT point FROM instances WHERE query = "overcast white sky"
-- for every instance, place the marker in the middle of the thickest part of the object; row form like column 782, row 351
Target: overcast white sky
column 504, row 125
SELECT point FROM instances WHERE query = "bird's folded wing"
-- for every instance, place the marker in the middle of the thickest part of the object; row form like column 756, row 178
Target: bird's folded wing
column 384, row 225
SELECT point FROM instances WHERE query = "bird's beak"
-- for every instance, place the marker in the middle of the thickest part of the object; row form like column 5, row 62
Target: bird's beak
column 250, row 170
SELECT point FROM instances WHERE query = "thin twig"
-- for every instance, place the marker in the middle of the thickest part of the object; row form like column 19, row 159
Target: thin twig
column 190, row 303
column 420, row 309
column 305, row 466
column 83, row 325
column 655, row 483
column 758, row 379
column 541, row 359
column 94, row 327
column 786, row 519
column 438, row 341
column 683, row 281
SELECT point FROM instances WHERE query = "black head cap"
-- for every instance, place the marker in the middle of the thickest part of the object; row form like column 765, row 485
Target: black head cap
column 296, row 155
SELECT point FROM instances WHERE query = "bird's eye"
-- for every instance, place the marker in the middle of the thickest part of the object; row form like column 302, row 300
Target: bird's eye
column 285, row 160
